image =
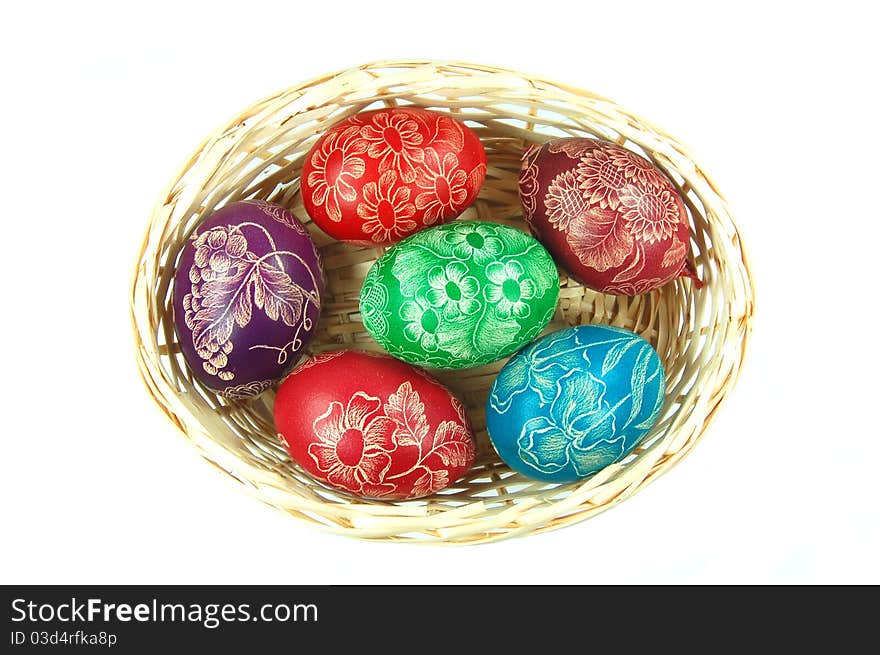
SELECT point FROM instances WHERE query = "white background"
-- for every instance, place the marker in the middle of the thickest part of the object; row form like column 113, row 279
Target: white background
column 103, row 102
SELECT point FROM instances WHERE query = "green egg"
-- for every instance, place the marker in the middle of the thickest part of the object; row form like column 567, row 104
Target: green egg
column 460, row 295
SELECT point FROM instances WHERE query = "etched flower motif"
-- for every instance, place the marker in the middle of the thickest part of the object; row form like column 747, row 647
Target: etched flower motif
column 651, row 213
column 578, row 430
column 395, row 140
column 601, row 178
column 564, row 200
column 443, row 184
column 353, row 445
column 508, row 290
column 478, row 242
column 385, row 209
column 453, row 290
column 421, row 325
column 335, row 166
column 533, row 369
column 634, row 167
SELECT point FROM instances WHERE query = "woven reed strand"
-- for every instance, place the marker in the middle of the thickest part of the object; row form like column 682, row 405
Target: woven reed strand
column 701, row 335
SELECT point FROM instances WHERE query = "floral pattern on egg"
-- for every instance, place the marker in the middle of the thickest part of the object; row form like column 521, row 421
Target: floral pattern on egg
column 609, row 216
column 575, row 401
column 460, row 295
column 378, row 176
column 373, row 426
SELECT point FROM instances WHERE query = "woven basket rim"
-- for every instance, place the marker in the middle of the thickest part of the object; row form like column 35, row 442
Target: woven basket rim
column 477, row 520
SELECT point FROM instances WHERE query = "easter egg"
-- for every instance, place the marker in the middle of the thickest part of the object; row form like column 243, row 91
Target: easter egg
column 247, row 294
column 459, row 295
column 380, row 175
column 373, row 426
column 611, row 218
column 575, row 401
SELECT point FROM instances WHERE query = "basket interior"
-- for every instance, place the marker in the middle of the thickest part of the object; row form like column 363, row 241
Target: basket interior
column 699, row 334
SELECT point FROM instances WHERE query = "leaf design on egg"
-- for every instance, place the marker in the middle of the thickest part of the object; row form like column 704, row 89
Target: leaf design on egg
column 615, row 354
column 675, row 254
column 635, row 267
column 419, row 257
column 429, row 482
column 543, row 271
column 478, row 336
column 451, row 444
column 600, row 240
column 639, row 380
column 406, row 409
column 228, row 279
column 449, row 441
column 276, row 294
column 651, row 417
column 224, row 303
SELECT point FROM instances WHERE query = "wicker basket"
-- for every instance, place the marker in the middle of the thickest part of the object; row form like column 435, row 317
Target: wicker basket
column 700, row 334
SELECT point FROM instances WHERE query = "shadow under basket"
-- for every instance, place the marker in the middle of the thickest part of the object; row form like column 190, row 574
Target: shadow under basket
column 700, row 334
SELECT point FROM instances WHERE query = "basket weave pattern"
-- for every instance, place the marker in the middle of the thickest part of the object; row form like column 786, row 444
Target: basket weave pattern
column 700, row 334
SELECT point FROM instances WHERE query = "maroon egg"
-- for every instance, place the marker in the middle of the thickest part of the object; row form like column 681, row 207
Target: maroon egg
column 610, row 217
column 247, row 295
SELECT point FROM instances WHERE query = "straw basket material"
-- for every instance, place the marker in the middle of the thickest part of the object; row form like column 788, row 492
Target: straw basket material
column 700, row 334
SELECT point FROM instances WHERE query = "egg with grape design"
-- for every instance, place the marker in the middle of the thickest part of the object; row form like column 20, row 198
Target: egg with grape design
column 247, row 295
column 611, row 218
column 378, row 176
column 373, row 426
column 575, row 401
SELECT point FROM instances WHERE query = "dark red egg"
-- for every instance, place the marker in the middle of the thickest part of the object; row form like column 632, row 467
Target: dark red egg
column 609, row 216
column 378, row 176
column 373, row 426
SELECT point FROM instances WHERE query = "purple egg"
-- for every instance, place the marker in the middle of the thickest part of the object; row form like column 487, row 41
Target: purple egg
column 247, row 295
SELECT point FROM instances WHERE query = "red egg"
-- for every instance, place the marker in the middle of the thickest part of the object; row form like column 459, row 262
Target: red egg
column 373, row 426
column 378, row 176
column 610, row 217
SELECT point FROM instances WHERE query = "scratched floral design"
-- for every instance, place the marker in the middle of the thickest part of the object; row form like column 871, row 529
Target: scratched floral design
column 621, row 219
column 356, row 441
column 575, row 401
column 460, row 295
column 392, row 172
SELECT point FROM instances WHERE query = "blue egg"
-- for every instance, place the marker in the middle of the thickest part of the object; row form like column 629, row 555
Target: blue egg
column 575, row 401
